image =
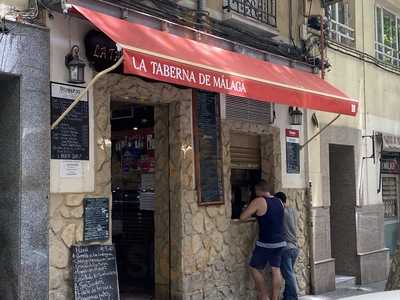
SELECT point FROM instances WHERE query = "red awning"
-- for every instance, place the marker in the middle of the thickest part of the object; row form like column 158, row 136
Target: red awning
column 166, row 57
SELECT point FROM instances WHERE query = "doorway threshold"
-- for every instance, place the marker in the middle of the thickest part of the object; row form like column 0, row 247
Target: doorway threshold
column 345, row 281
column 136, row 297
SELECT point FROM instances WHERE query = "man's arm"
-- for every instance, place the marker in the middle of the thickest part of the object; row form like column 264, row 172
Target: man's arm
column 250, row 210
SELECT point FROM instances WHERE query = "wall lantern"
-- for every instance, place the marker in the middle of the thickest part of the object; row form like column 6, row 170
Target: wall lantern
column 295, row 116
column 76, row 66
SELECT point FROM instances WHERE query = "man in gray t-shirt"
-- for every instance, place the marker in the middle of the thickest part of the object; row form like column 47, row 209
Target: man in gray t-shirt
column 291, row 251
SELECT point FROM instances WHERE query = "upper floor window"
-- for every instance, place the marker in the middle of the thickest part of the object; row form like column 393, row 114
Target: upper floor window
column 341, row 27
column 387, row 36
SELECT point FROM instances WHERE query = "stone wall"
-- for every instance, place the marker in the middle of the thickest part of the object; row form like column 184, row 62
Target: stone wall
column 216, row 249
column 66, row 210
column 393, row 282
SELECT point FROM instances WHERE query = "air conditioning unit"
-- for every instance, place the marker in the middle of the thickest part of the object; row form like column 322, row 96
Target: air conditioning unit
column 15, row 4
column 7, row 6
column 248, row 110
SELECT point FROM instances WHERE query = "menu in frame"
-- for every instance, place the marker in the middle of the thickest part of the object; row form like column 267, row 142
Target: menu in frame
column 70, row 139
column 292, row 151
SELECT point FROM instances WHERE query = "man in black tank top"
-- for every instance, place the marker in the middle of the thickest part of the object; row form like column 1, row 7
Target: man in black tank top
column 269, row 212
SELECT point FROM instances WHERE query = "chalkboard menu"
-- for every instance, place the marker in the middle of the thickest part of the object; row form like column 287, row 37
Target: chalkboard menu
column 95, row 273
column 292, row 151
column 208, row 150
column 96, row 219
column 70, row 139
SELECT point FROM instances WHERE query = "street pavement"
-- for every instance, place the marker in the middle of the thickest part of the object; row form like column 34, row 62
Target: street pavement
column 339, row 293
column 348, row 291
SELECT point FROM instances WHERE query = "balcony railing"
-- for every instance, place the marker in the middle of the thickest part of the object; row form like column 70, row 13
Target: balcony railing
column 341, row 33
column 263, row 11
column 387, row 54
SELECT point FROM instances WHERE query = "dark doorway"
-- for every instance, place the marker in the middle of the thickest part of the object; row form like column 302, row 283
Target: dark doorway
column 343, row 204
column 133, row 185
column 10, row 168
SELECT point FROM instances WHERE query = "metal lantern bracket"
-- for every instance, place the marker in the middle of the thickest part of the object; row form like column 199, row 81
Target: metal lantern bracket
column 372, row 137
column 295, row 115
column 70, row 55
column 76, row 66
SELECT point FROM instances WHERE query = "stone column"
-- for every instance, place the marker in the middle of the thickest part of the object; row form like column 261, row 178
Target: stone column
column 162, row 205
column 182, row 187
column 24, row 180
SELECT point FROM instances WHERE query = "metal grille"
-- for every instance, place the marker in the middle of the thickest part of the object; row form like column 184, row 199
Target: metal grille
column 261, row 10
column 389, row 196
column 248, row 110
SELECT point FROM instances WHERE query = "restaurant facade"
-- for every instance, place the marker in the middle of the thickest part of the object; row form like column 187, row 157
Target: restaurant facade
column 199, row 250
column 172, row 145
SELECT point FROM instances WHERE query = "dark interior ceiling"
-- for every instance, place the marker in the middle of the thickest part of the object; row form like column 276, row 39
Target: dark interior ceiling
column 130, row 116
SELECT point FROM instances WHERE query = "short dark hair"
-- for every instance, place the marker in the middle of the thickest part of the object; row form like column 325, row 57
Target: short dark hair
column 281, row 196
column 262, row 186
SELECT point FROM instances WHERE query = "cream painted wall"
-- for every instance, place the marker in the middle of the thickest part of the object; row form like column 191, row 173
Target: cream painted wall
column 282, row 122
column 66, row 31
column 378, row 91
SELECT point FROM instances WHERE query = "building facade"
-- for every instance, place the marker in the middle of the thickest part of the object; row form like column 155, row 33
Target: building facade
column 359, row 201
column 140, row 150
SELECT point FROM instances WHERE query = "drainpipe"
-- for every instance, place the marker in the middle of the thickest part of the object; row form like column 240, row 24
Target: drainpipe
column 291, row 20
column 308, row 198
column 201, row 7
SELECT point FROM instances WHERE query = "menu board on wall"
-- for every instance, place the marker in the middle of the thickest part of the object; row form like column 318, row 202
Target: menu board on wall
column 70, row 139
column 95, row 273
column 292, row 151
column 208, row 149
column 96, row 219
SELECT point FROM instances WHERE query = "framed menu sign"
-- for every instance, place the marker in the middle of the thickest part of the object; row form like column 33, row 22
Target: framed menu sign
column 292, row 151
column 70, row 139
column 208, row 149
column 96, row 219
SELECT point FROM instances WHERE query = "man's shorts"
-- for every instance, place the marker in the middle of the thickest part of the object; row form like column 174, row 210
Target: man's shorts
column 261, row 256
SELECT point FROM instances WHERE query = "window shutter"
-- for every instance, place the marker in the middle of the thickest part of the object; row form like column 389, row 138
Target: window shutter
column 245, row 151
column 248, row 110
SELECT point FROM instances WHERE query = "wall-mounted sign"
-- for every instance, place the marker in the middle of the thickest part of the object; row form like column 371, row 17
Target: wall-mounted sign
column 70, row 168
column 70, row 139
column 292, row 151
column 390, row 165
column 96, row 219
column 94, row 272
column 208, row 148
column 101, row 51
